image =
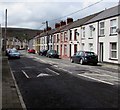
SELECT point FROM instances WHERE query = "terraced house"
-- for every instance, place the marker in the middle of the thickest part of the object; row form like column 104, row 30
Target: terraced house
column 98, row 32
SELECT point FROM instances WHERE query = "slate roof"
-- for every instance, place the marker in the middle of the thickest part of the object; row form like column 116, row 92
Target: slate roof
column 60, row 28
column 108, row 13
column 79, row 22
column 51, row 31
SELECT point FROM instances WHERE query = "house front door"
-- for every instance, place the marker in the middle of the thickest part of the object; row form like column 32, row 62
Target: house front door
column 75, row 48
column 101, row 52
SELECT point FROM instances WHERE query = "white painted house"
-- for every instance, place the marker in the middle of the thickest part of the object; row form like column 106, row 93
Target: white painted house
column 105, row 35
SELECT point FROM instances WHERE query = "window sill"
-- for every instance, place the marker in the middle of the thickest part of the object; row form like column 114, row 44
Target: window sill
column 90, row 38
column 82, row 38
column 112, row 34
column 113, row 59
column 101, row 35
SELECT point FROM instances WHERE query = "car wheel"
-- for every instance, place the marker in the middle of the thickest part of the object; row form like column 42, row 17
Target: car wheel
column 95, row 64
column 81, row 61
column 71, row 60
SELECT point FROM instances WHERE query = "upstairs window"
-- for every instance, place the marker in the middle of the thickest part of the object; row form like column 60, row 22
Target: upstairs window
column 91, row 30
column 65, row 36
column 61, row 37
column 102, row 28
column 113, row 26
column 75, row 34
column 70, row 34
column 83, row 32
column 57, row 38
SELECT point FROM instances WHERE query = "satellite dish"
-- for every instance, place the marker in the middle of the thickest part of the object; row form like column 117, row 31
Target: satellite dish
column 118, row 30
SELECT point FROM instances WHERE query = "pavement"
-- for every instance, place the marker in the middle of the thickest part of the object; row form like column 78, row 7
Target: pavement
column 10, row 95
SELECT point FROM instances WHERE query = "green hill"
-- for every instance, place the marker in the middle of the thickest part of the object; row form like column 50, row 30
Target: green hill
column 21, row 33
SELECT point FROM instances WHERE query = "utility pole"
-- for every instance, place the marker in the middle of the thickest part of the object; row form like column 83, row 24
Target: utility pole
column 0, row 38
column 119, row 37
column 5, row 37
column 47, row 35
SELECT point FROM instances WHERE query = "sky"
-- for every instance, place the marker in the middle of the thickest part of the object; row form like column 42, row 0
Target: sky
column 32, row 14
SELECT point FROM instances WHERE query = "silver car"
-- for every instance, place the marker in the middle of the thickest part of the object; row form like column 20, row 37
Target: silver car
column 13, row 54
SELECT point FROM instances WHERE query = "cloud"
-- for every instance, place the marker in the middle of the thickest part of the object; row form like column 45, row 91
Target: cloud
column 31, row 13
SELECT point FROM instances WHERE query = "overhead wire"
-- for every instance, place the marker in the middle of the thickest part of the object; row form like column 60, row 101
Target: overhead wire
column 76, row 11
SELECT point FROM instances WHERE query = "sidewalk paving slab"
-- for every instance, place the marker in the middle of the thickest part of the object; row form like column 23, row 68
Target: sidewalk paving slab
column 10, row 98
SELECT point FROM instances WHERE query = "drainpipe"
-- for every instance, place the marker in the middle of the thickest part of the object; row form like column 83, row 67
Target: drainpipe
column 119, row 35
column 98, row 45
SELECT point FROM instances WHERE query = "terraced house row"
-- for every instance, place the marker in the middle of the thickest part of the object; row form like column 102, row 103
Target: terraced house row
column 99, row 32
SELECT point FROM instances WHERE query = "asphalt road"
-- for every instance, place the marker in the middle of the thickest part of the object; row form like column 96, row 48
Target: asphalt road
column 45, row 85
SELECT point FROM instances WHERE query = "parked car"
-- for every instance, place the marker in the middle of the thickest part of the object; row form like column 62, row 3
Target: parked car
column 43, row 52
column 31, row 51
column 13, row 54
column 83, row 57
column 52, row 54
column 7, row 51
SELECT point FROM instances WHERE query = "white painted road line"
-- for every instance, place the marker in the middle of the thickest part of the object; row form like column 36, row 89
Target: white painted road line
column 25, row 74
column 43, row 74
column 40, row 59
column 52, row 71
column 96, row 79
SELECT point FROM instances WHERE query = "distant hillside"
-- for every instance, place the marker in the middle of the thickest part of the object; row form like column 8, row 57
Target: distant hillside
column 21, row 33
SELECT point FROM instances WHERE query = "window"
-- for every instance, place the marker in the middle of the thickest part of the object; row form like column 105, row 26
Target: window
column 113, row 51
column 75, row 34
column 50, row 39
column 65, row 49
column 57, row 38
column 70, row 34
column 83, row 46
column 102, row 26
column 113, row 26
column 83, row 32
column 65, row 36
column 54, row 38
column 90, row 46
column 91, row 30
column 61, row 37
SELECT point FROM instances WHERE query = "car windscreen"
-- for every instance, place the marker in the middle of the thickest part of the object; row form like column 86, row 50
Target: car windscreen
column 53, row 51
column 13, row 51
column 89, row 53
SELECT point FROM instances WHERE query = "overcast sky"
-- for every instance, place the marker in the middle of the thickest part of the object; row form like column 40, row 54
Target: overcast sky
column 32, row 13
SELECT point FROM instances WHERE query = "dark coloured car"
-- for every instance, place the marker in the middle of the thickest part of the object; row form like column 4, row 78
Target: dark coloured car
column 43, row 52
column 52, row 54
column 13, row 54
column 85, row 57
column 31, row 51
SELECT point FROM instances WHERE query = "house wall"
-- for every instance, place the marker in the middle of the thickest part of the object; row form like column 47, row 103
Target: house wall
column 88, row 39
column 106, row 40
column 30, row 44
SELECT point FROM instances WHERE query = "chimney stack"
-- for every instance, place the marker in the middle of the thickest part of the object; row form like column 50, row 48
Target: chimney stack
column 69, row 20
column 49, row 28
column 57, row 25
column 62, row 23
